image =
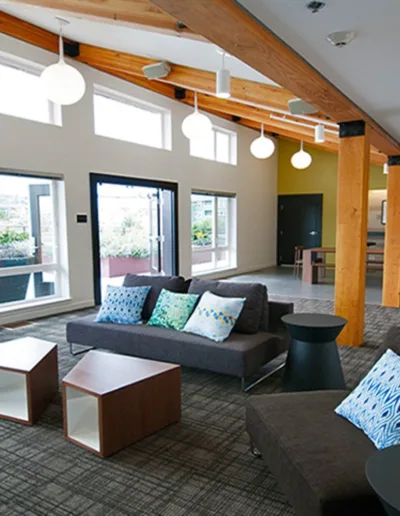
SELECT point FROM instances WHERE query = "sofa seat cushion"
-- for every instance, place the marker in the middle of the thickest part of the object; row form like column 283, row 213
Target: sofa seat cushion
column 255, row 309
column 157, row 283
column 240, row 355
column 317, row 457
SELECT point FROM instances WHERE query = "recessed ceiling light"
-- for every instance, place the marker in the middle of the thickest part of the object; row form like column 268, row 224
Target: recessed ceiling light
column 341, row 39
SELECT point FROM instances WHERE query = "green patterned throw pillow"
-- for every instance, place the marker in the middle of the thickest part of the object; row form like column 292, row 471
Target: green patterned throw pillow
column 173, row 310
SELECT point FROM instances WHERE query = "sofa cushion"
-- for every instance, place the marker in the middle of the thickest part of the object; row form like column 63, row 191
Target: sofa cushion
column 240, row 355
column 317, row 457
column 123, row 305
column 255, row 305
column 173, row 310
column 374, row 405
column 215, row 316
column 157, row 283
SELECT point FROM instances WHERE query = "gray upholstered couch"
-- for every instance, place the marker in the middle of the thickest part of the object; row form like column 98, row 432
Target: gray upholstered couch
column 317, row 456
column 258, row 337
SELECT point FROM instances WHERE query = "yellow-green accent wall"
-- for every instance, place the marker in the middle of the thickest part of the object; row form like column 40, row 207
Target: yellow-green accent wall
column 319, row 177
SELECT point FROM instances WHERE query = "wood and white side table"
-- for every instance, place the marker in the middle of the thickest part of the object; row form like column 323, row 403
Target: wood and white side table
column 28, row 378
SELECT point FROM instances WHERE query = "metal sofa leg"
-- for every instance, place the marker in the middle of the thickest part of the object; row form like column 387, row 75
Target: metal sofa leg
column 254, row 450
column 75, row 353
column 267, row 375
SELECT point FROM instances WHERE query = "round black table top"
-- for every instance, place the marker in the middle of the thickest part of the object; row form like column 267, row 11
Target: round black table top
column 383, row 473
column 310, row 320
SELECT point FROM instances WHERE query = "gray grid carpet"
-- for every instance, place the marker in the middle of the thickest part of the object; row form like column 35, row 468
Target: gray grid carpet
column 199, row 466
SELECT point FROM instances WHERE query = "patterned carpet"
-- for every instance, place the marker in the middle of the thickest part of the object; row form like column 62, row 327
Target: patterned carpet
column 200, row 466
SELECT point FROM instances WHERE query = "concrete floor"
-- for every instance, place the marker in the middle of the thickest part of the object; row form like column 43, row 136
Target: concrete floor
column 280, row 282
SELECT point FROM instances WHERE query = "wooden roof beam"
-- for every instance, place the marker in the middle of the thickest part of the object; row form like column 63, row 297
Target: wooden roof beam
column 231, row 27
column 139, row 13
column 182, row 76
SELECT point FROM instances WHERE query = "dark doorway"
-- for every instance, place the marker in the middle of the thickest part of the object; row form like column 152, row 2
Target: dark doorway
column 299, row 223
column 134, row 228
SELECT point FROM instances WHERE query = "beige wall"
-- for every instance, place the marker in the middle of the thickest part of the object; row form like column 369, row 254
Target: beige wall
column 74, row 151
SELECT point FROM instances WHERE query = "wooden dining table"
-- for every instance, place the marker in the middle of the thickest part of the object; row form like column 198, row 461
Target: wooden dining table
column 315, row 264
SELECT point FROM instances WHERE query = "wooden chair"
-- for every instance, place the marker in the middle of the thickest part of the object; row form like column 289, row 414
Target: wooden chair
column 298, row 260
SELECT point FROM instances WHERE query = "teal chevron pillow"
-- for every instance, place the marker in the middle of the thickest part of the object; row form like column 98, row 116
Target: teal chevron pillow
column 123, row 305
column 215, row 316
column 374, row 405
column 172, row 310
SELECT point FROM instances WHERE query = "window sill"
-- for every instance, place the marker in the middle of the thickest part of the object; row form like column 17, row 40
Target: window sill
column 34, row 304
column 213, row 271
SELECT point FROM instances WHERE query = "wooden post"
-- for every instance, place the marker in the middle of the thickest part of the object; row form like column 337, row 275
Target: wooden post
column 391, row 266
column 351, row 230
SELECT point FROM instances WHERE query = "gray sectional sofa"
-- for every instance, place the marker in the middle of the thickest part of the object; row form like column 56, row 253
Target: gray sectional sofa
column 317, row 456
column 258, row 337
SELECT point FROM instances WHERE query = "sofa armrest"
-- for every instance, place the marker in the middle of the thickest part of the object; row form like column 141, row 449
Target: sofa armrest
column 391, row 341
column 276, row 311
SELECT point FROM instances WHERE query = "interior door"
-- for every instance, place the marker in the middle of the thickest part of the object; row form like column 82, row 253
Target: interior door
column 299, row 223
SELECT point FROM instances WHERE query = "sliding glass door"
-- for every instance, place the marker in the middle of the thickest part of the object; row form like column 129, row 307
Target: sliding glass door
column 134, row 229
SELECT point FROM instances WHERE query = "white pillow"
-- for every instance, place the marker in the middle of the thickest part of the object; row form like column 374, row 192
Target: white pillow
column 215, row 316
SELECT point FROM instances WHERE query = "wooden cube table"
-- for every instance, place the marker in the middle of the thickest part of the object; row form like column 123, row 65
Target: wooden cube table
column 28, row 378
column 111, row 401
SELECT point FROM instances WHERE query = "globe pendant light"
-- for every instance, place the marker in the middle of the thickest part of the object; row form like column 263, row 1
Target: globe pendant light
column 196, row 125
column 262, row 147
column 62, row 84
column 301, row 159
column 223, row 84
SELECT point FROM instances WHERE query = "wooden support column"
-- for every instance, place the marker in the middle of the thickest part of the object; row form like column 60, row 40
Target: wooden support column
column 351, row 229
column 391, row 266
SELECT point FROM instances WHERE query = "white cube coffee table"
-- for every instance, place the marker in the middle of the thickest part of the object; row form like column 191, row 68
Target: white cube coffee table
column 28, row 378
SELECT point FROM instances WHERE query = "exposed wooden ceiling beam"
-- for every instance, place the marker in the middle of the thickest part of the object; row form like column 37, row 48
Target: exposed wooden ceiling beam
column 183, row 76
column 229, row 26
column 249, row 116
column 134, row 12
column 116, row 63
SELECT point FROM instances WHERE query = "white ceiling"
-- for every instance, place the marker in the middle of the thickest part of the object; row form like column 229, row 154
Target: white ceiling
column 367, row 70
column 187, row 52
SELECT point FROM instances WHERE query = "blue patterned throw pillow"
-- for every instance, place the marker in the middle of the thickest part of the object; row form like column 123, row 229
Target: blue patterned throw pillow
column 374, row 405
column 123, row 305
column 215, row 316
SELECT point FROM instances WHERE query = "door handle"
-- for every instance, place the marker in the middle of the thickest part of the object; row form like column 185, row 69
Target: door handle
column 313, row 232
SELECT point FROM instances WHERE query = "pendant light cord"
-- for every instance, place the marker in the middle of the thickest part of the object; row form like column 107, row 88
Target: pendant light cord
column 62, row 22
column 195, row 101
column 262, row 130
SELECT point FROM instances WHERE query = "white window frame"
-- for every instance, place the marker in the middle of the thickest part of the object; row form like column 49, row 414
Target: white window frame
column 232, row 146
column 58, row 266
column 165, row 113
column 55, row 112
column 230, row 246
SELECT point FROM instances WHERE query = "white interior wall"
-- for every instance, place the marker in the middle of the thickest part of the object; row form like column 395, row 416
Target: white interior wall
column 74, row 151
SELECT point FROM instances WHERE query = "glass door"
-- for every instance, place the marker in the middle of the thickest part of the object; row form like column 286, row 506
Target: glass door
column 134, row 229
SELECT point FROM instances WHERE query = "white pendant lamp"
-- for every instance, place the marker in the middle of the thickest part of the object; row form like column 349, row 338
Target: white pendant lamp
column 62, row 84
column 319, row 133
column 223, row 84
column 386, row 169
column 196, row 125
column 301, row 159
column 262, row 147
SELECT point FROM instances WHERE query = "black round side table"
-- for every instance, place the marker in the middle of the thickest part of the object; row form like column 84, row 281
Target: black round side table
column 313, row 361
column 383, row 473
